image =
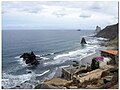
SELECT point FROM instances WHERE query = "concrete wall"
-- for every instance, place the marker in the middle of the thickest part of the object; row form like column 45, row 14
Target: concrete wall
column 66, row 75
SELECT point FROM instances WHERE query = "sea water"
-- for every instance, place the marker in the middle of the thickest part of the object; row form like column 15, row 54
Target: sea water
column 57, row 48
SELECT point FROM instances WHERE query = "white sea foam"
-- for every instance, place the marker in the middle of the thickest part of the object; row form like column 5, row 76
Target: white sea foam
column 37, row 55
column 20, row 61
column 42, row 73
column 92, row 35
column 78, row 54
column 17, row 57
column 75, row 55
column 92, row 42
column 10, row 81
column 44, row 58
column 51, row 75
column 102, row 38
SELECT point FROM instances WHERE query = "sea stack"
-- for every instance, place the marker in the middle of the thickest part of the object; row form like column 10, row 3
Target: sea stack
column 98, row 29
column 30, row 58
column 83, row 41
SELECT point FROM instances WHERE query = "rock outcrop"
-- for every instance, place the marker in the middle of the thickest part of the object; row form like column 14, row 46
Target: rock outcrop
column 83, row 41
column 110, row 32
column 30, row 58
column 98, row 29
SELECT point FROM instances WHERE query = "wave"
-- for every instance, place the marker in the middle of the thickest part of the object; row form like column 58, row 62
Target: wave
column 101, row 39
column 46, row 54
column 10, row 81
column 91, row 35
column 73, row 55
column 89, row 49
column 20, row 61
column 43, row 73
column 44, row 58
column 51, row 75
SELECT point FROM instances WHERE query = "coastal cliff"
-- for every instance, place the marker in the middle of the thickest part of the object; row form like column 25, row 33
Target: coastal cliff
column 110, row 32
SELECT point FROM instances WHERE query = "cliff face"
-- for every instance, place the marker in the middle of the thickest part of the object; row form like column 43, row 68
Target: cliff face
column 109, row 32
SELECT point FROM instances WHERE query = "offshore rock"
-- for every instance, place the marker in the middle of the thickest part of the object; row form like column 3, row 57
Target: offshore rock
column 98, row 29
column 83, row 41
column 30, row 58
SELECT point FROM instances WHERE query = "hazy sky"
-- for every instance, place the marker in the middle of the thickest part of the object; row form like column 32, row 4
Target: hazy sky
column 58, row 14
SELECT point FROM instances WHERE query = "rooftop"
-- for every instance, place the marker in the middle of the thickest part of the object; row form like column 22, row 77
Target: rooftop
column 114, row 52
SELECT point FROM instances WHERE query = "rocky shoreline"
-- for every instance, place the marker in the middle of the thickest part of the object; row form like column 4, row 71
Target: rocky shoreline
column 57, row 82
column 106, row 77
column 101, row 78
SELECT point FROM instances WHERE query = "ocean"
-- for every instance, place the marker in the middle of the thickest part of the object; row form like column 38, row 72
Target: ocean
column 57, row 48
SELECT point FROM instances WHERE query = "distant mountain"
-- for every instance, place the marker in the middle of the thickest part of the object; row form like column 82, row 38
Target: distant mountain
column 110, row 32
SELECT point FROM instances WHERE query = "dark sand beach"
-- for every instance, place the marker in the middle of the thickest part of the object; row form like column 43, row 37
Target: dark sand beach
column 88, row 59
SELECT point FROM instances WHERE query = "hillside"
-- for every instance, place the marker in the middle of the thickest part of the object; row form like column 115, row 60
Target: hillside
column 110, row 32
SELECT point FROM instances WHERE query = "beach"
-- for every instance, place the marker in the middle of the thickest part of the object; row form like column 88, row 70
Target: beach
column 88, row 59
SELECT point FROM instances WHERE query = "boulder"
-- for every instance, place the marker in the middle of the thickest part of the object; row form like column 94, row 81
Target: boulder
column 94, row 64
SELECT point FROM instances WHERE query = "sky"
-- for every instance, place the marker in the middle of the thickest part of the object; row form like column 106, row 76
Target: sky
column 58, row 14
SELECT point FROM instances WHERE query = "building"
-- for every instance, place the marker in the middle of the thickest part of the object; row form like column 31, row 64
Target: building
column 113, row 54
column 68, row 72
column 71, row 72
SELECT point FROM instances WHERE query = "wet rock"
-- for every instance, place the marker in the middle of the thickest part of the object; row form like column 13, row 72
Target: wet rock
column 29, row 72
column 18, row 86
column 30, row 58
column 83, row 41
column 2, row 87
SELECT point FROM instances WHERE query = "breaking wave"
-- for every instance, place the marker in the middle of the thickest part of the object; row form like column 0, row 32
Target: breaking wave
column 77, row 55
column 10, row 81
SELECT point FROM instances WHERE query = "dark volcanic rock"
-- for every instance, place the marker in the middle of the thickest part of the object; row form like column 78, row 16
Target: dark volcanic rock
column 109, row 32
column 30, row 58
column 83, row 41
